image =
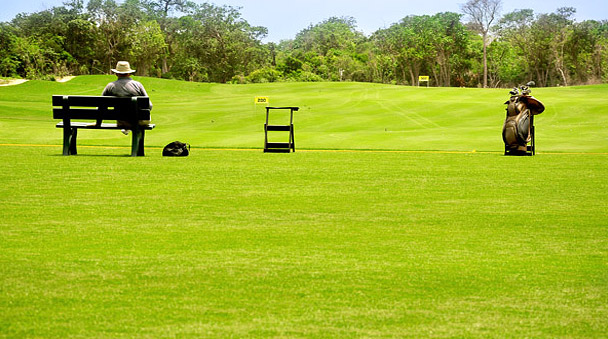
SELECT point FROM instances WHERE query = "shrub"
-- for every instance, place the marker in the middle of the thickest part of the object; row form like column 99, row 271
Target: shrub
column 264, row 75
column 304, row 77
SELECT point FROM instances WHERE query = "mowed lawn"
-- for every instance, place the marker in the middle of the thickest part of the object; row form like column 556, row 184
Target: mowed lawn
column 331, row 116
column 317, row 243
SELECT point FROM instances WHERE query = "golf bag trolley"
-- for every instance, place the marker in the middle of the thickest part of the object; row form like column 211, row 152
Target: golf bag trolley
column 518, row 129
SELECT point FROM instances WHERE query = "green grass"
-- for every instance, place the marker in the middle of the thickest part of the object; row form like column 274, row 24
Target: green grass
column 238, row 243
column 332, row 115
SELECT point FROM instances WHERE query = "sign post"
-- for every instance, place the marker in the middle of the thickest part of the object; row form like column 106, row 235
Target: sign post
column 423, row 78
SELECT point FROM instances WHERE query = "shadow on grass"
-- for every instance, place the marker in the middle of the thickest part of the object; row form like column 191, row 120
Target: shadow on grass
column 94, row 155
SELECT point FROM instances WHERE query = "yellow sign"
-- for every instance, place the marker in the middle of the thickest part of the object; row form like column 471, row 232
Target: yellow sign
column 423, row 78
column 262, row 100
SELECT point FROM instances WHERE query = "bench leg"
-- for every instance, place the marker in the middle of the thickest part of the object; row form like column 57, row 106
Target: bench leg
column 73, row 142
column 69, row 141
column 137, row 143
column 141, row 144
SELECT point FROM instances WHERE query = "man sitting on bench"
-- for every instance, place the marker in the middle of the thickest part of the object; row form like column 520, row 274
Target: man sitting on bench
column 124, row 86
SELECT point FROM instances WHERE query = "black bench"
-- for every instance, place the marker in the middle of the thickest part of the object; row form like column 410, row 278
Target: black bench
column 99, row 108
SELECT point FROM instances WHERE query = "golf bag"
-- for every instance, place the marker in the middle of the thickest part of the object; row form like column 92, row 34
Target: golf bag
column 518, row 129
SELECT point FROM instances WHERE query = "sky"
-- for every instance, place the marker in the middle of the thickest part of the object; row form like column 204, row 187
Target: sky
column 285, row 18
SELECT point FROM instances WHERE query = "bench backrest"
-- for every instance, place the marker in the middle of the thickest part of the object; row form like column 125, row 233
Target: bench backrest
column 82, row 107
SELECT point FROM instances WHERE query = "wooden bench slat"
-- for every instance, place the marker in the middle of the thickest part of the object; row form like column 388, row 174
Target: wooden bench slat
column 87, row 125
column 95, row 114
column 99, row 101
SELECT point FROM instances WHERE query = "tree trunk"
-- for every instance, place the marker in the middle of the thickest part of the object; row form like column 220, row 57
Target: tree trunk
column 413, row 77
column 563, row 76
column 165, row 68
column 485, row 61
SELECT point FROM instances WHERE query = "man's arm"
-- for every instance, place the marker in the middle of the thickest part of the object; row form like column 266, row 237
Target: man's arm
column 143, row 92
column 108, row 90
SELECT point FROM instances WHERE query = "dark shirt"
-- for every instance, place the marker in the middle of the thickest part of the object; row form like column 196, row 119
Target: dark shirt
column 125, row 87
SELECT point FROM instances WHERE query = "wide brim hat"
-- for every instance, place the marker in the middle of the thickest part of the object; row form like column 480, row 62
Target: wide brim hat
column 123, row 67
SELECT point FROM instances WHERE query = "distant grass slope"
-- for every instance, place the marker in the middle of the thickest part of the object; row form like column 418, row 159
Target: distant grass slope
column 332, row 115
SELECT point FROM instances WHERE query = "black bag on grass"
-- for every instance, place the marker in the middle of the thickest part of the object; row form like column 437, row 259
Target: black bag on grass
column 176, row 149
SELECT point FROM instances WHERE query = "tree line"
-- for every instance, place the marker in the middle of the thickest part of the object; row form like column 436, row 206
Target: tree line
column 179, row 39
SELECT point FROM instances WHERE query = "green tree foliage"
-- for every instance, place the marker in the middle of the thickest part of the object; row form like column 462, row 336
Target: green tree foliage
column 223, row 43
column 332, row 50
column 205, row 42
column 553, row 49
column 425, row 45
column 9, row 61
column 148, row 47
column 482, row 14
